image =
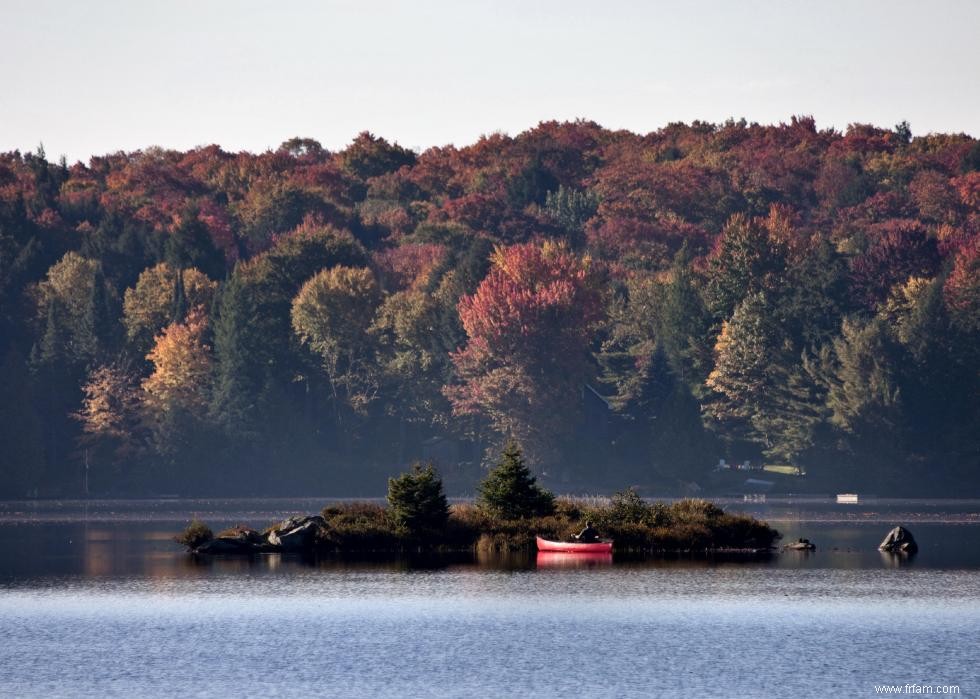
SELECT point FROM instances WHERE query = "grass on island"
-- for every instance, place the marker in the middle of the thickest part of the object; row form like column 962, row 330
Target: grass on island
column 509, row 512
column 633, row 524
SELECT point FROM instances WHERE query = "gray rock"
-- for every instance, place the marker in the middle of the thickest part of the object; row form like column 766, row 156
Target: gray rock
column 296, row 533
column 223, row 545
column 801, row 545
column 899, row 540
column 243, row 535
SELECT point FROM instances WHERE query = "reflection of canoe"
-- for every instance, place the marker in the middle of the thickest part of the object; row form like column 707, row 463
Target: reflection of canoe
column 574, row 546
column 561, row 559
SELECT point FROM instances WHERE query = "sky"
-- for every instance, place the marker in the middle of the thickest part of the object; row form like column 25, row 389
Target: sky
column 94, row 77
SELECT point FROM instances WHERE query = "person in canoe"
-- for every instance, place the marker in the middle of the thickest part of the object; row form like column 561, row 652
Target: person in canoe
column 588, row 535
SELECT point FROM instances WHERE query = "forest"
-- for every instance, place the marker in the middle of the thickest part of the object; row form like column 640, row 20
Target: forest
column 628, row 308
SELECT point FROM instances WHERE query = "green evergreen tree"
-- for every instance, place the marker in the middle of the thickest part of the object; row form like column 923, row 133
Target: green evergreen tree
column 239, row 371
column 51, row 349
column 571, row 209
column 746, row 261
column 190, row 245
column 417, row 501
column 22, row 457
column 510, row 491
column 180, row 298
column 683, row 324
column 759, row 390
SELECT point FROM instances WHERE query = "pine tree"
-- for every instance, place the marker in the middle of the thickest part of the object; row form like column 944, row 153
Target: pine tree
column 239, row 375
column 180, row 298
column 190, row 245
column 417, row 500
column 760, row 392
column 511, row 492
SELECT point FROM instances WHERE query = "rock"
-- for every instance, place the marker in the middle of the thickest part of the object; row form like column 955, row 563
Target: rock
column 296, row 533
column 801, row 545
column 243, row 535
column 899, row 540
column 222, row 545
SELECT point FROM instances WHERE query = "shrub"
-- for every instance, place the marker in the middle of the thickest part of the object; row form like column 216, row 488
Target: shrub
column 357, row 526
column 510, row 491
column 196, row 534
column 417, row 500
column 695, row 512
column 628, row 507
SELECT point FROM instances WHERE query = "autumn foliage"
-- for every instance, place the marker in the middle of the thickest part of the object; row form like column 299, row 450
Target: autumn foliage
column 632, row 304
column 528, row 328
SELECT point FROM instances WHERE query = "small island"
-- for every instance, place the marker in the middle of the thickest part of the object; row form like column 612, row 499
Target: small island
column 510, row 511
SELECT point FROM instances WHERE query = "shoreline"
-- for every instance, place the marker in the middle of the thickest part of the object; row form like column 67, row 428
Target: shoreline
column 358, row 527
column 260, row 511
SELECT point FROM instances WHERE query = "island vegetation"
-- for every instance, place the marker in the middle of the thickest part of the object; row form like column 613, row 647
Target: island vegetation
column 630, row 308
column 510, row 511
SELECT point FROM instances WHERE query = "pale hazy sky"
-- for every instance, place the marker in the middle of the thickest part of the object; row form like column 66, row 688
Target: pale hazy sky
column 93, row 77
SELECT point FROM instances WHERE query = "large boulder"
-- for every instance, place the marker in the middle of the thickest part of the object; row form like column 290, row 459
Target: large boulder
column 296, row 533
column 899, row 540
column 237, row 540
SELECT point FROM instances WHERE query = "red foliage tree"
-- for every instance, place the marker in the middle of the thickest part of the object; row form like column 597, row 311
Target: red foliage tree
column 896, row 250
column 962, row 288
column 529, row 326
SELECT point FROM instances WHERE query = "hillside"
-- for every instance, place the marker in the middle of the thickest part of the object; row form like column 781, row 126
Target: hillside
column 631, row 308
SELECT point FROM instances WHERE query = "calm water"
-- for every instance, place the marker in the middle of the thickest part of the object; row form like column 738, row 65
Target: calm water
column 97, row 601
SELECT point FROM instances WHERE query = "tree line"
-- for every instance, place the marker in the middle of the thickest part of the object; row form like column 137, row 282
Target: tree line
column 628, row 307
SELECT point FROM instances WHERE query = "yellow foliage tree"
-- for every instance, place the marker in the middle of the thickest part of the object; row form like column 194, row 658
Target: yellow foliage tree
column 181, row 379
column 148, row 307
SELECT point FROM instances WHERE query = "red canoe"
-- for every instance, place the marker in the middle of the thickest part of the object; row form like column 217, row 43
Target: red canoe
column 575, row 546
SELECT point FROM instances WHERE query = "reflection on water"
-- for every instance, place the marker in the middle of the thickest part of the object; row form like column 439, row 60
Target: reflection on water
column 240, row 627
column 110, row 607
column 559, row 559
column 147, row 549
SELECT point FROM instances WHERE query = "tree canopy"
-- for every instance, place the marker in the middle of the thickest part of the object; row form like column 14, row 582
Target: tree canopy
column 622, row 304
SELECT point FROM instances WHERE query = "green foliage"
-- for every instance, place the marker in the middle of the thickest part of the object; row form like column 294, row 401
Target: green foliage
column 745, row 261
column 190, row 245
column 571, row 209
column 758, row 391
column 633, row 525
column 22, row 462
column 813, row 291
column 686, row 525
column 359, row 527
column 694, row 511
column 417, row 501
column 332, row 315
column 627, row 507
column 370, row 156
column 903, row 131
column 73, row 308
column 197, row 533
column 510, row 491
column 239, row 373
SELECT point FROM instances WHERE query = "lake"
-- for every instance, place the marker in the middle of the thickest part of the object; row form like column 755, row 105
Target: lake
column 96, row 600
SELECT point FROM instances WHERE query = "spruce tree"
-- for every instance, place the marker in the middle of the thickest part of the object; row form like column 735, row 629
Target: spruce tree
column 238, row 372
column 511, row 492
column 417, row 500
column 180, row 298
column 190, row 245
